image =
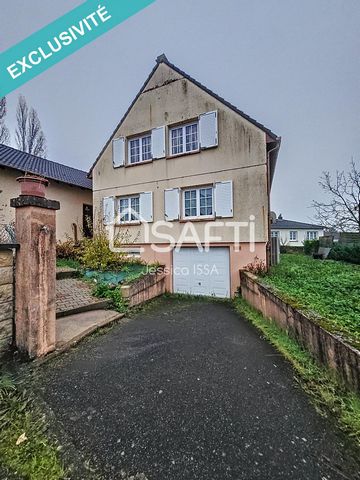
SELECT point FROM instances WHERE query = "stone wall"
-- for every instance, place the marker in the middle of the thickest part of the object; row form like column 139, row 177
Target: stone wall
column 6, row 299
column 325, row 347
column 147, row 287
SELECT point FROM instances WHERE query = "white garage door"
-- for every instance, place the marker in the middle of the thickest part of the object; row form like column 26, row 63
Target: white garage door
column 202, row 273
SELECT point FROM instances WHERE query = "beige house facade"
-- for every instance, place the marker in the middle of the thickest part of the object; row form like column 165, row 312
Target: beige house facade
column 69, row 186
column 198, row 172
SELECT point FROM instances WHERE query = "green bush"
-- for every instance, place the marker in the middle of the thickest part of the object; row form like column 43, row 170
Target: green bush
column 311, row 246
column 102, row 290
column 347, row 253
column 96, row 253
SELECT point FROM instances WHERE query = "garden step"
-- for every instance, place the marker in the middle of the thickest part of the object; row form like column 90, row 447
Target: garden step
column 75, row 296
column 66, row 272
column 71, row 329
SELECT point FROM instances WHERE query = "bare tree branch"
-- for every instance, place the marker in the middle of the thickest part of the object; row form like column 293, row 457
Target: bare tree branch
column 30, row 137
column 22, row 113
column 4, row 131
column 342, row 212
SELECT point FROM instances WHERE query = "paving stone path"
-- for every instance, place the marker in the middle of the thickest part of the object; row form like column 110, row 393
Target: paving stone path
column 74, row 294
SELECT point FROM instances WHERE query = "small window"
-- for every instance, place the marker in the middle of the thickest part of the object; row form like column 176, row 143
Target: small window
column 293, row 236
column 275, row 233
column 184, row 139
column 140, row 149
column 311, row 235
column 198, row 202
column 129, row 209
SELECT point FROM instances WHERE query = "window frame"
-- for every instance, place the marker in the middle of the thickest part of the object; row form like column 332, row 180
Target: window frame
column 140, row 139
column 197, row 190
column 183, row 128
column 128, row 209
column 275, row 233
column 296, row 235
column 312, row 233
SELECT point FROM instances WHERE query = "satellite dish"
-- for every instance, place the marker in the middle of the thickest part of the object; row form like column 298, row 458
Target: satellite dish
column 272, row 217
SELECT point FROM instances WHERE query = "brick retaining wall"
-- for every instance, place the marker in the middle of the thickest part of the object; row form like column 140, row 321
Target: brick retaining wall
column 147, row 287
column 327, row 348
column 6, row 299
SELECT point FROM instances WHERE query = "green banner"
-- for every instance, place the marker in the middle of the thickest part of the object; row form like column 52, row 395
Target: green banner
column 61, row 38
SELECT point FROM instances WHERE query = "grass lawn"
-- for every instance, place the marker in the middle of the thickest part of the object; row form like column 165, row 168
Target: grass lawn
column 25, row 451
column 67, row 263
column 328, row 291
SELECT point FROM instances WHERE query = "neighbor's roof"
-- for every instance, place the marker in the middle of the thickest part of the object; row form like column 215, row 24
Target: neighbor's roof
column 163, row 59
column 289, row 224
column 24, row 162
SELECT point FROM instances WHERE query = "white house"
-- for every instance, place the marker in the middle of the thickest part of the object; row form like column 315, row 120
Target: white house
column 294, row 233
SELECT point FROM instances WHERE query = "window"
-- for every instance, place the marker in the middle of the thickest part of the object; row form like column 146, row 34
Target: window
column 275, row 233
column 311, row 235
column 129, row 209
column 293, row 236
column 184, row 139
column 198, row 202
column 140, row 149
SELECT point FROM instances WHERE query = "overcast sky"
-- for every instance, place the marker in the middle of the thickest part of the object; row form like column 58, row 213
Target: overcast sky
column 292, row 65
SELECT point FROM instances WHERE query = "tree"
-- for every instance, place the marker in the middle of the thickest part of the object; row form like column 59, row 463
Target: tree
column 30, row 137
column 342, row 212
column 4, row 131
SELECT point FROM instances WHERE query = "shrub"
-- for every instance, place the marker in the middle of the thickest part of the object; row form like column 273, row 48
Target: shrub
column 347, row 253
column 96, row 253
column 102, row 290
column 311, row 246
column 68, row 250
column 257, row 267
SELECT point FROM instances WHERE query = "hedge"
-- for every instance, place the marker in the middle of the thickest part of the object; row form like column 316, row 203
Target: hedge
column 346, row 253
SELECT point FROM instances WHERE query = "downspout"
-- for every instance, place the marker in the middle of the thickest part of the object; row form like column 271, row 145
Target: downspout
column 268, row 246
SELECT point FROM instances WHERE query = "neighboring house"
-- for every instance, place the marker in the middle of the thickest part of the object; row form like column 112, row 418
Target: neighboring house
column 295, row 233
column 185, row 156
column 70, row 186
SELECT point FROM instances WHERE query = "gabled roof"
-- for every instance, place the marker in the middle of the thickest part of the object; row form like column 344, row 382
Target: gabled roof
column 289, row 224
column 163, row 59
column 24, row 162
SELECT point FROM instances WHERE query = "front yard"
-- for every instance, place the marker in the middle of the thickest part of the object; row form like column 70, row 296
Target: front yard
column 328, row 291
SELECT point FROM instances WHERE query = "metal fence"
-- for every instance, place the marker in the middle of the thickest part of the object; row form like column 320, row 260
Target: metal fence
column 275, row 251
column 7, row 233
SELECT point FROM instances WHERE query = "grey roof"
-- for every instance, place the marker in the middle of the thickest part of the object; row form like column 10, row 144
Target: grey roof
column 26, row 163
column 289, row 224
column 163, row 59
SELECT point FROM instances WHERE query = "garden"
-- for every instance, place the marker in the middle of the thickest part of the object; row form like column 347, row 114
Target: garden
column 326, row 290
column 103, row 268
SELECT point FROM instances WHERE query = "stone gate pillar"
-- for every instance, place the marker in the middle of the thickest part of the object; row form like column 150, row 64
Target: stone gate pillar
column 35, row 274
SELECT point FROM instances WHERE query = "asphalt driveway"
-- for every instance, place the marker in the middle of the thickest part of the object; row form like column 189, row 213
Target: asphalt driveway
column 188, row 390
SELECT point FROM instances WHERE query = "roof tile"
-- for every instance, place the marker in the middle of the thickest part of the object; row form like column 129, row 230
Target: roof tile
column 24, row 162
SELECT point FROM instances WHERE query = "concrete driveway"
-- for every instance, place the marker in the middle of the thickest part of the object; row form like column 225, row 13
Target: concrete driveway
column 188, row 390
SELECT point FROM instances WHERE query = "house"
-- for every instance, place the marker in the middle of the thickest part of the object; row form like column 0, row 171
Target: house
column 294, row 233
column 184, row 168
column 70, row 186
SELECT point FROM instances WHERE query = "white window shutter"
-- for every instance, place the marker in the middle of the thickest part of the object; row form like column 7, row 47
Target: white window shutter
column 158, row 143
column 146, row 206
column 224, row 199
column 118, row 145
column 172, row 204
column 208, row 127
column 108, row 210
